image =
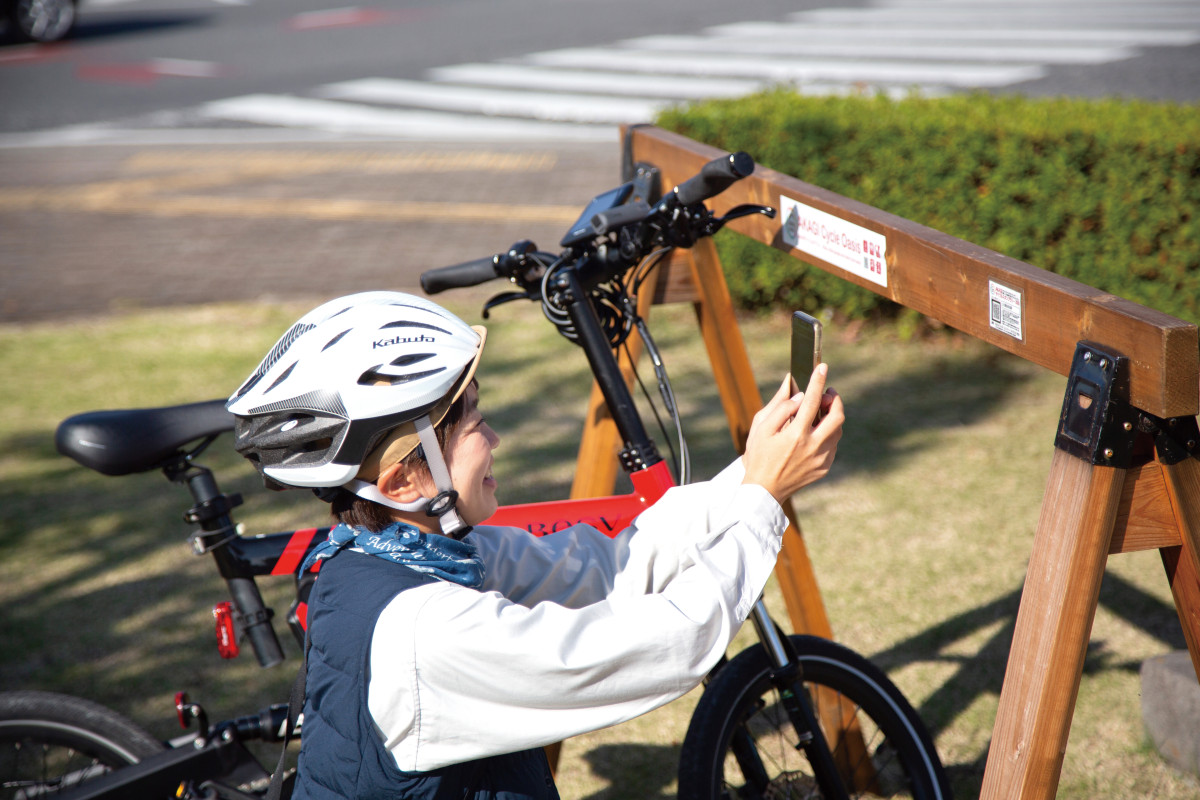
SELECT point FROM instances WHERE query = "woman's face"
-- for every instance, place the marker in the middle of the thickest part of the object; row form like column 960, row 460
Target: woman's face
column 469, row 459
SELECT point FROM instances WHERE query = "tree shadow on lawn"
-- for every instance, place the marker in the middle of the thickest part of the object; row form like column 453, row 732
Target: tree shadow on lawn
column 127, row 640
column 641, row 771
column 982, row 672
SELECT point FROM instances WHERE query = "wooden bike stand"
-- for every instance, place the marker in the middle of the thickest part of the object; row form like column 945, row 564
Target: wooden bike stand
column 1102, row 497
column 1125, row 473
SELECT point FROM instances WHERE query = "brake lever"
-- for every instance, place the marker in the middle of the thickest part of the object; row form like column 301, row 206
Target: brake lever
column 502, row 298
column 713, row 224
column 746, row 210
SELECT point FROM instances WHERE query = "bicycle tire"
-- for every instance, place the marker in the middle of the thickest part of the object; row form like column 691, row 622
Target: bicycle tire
column 51, row 742
column 742, row 699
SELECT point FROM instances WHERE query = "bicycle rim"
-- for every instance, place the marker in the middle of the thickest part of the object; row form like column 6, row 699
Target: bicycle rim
column 50, row 743
column 742, row 744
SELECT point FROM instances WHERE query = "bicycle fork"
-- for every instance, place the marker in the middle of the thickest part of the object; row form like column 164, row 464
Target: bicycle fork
column 788, row 678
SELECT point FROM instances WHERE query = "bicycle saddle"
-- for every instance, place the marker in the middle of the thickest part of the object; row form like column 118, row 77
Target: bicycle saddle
column 132, row 440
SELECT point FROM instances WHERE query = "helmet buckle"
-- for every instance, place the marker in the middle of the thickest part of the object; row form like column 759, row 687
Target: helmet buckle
column 442, row 503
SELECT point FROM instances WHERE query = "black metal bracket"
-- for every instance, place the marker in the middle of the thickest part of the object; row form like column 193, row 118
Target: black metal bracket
column 628, row 167
column 213, row 518
column 1175, row 438
column 212, row 509
column 1097, row 423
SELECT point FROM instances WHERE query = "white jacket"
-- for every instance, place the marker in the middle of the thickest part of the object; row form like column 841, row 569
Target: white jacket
column 574, row 631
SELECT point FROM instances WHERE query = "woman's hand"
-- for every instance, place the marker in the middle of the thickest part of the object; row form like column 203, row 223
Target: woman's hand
column 793, row 440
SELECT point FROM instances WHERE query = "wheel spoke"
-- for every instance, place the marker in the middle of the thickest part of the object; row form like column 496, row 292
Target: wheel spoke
column 743, row 735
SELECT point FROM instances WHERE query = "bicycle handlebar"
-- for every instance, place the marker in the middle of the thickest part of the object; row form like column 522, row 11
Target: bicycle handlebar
column 457, row 276
column 639, row 226
column 619, row 217
column 714, row 177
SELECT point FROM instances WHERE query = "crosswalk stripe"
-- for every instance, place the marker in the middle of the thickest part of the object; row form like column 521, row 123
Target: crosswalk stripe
column 497, row 102
column 867, row 32
column 585, row 81
column 961, row 74
column 330, row 115
column 1028, row 15
column 788, row 44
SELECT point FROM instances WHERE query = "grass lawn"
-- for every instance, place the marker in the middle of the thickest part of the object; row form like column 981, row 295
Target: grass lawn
column 919, row 536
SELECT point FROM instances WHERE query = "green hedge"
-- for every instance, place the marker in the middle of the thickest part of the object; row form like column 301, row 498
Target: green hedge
column 1103, row 191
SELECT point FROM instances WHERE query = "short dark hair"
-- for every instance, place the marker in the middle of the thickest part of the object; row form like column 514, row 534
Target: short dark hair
column 350, row 509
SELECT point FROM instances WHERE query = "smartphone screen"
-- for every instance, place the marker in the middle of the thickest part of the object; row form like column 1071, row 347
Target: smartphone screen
column 806, row 347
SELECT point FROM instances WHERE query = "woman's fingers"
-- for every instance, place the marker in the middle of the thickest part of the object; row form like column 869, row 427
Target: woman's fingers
column 779, row 409
column 810, row 404
column 782, row 456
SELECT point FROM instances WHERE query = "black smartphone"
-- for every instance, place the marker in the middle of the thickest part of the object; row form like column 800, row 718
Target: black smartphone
column 806, row 348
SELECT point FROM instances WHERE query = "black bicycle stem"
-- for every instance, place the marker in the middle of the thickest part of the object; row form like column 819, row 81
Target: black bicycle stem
column 639, row 451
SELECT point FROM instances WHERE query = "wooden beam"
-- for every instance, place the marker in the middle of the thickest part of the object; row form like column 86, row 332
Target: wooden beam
column 947, row 278
column 1144, row 517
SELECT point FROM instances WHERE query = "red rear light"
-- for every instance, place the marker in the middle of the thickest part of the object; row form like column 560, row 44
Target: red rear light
column 182, row 709
column 227, row 644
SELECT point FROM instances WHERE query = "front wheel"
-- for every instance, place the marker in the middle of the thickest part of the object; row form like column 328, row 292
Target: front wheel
column 741, row 743
column 52, row 742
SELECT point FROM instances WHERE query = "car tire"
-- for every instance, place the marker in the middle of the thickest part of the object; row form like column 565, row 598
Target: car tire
column 39, row 20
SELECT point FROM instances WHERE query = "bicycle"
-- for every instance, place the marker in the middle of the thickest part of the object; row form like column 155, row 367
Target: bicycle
column 793, row 716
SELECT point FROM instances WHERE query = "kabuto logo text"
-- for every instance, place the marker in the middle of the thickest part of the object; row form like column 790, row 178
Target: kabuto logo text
column 403, row 340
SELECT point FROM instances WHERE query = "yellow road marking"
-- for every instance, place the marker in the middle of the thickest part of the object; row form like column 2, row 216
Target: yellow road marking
column 316, row 161
column 103, row 202
column 191, row 170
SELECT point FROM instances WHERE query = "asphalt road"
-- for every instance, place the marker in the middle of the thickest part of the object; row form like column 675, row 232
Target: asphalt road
column 105, row 229
column 122, row 187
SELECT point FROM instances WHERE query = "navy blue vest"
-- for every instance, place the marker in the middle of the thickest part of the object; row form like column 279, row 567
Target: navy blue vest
column 341, row 755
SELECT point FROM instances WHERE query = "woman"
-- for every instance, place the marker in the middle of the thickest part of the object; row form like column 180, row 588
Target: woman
column 444, row 653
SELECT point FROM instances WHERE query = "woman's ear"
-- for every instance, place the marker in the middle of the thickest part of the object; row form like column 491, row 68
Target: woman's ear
column 400, row 484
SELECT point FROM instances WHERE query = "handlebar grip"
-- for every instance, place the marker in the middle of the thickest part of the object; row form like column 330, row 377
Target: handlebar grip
column 620, row 216
column 455, row 276
column 714, row 177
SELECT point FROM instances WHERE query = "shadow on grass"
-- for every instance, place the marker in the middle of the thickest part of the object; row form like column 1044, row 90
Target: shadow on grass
column 130, row 642
column 634, row 770
column 113, row 604
column 982, row 672
column 891, row 419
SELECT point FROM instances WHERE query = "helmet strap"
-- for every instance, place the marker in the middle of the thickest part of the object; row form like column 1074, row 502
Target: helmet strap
column 442, row 506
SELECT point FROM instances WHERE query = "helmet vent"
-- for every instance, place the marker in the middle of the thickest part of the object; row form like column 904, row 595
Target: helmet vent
column 409, row 360
column 276, row 353
column 281, row 378
column 335, row 340
column 410, row 324
column 373, row 377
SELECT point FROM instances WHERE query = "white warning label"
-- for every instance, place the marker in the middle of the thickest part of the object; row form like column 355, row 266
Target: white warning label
column 1005, row 309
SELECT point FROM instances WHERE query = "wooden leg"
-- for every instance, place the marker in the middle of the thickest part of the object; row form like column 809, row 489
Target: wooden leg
column 723, row 340
column 1058, row 604
column 596, row 465
column 1183, row 563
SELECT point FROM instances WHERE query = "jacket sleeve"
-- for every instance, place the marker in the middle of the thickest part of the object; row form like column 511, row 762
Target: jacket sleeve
column 580, row 565
column 459, row 674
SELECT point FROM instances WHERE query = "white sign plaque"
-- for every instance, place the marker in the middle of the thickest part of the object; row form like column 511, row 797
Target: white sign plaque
column 835, row 241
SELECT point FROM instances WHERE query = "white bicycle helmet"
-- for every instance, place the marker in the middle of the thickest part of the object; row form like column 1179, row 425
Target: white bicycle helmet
column 347, row 376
